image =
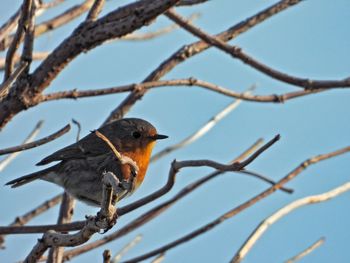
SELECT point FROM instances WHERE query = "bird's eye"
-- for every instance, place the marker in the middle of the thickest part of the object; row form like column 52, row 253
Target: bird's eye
column 136, row 134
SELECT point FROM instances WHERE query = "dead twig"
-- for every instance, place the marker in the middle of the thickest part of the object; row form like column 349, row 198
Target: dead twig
column 36, row 143
column 8, row 159
column 126, row 248
column 95, row 10
column 306, row 251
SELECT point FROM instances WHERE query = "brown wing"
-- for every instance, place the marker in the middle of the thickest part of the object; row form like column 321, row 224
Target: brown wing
column 89, row 146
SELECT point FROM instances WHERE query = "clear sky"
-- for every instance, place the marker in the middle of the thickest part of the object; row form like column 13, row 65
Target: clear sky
column 309, row 40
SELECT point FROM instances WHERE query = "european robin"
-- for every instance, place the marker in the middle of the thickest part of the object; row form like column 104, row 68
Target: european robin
column 82, row 164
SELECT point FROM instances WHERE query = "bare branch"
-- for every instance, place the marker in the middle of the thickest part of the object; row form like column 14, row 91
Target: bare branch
column 37, row 143
column 16, row 58
column 126, row 249
column 307, row 251
column 27, row 53
column 241, row 207
column 77, row 123
column 269, row 221
column 6, row 85
column 195, row 48
column 6, row 161
column 159, row 258
column 190, row 82
column 9, row 25
column 237, row 52
column 95, row 10
column 22, row 26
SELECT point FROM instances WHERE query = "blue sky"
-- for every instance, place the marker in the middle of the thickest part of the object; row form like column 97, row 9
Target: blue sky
column 309, row 40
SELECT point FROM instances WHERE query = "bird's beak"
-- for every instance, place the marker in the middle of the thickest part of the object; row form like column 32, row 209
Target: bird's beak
column 158, row 137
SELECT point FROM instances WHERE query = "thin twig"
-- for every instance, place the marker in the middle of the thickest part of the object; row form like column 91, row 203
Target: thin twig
column 159, row 258
column 201, row 131
column 240, row 208
column 77, row 123
column 95, row 10
column 270, row 220
column 22, row 26
column 27, row 53
column 307, row 251
column 8, row 159
column 126, row 248
column 17, row 57
column 9, row 25
column 6, row 85
column 36, row 143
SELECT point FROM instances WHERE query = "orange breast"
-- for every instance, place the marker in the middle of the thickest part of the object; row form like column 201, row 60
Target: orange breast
column 141, row 156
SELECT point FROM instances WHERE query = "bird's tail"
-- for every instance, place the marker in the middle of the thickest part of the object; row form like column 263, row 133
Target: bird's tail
column 29, row 178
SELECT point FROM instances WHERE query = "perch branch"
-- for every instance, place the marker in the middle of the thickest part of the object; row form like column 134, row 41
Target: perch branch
column 154, row 212
column 93, row 224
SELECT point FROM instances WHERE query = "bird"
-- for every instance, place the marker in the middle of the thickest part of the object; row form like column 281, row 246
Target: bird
column 82, row 164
